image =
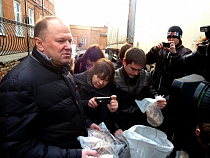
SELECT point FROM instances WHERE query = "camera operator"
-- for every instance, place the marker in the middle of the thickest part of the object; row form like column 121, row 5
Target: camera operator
column 198, row 62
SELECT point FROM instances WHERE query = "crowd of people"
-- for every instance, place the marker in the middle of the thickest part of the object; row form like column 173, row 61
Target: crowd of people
column 42, row 117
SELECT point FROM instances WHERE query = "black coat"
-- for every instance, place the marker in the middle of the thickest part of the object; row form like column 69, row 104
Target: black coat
column 87, row 91
column 127, row 91
column 167, row 67
column 39, row 112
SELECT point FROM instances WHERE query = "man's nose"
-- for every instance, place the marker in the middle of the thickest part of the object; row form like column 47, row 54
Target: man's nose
column 136, row 72
column 68, row 45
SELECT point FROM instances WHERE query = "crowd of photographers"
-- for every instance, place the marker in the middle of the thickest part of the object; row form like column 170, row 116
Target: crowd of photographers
column 43, row 117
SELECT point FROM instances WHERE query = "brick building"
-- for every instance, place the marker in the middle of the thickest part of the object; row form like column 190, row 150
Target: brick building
column 16, row 9
column 88, row 36
column 17, row 18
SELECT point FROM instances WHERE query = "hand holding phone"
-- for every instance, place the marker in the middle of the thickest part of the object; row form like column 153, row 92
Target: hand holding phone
column 113, row 106
column 101, row 100
column 167, row 45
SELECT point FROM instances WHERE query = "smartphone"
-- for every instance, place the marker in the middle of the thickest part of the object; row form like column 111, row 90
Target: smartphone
column 166, row 45
column 101, row 100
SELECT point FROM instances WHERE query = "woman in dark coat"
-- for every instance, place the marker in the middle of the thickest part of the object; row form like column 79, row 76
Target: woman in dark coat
column 88, row 59
column 97, row 82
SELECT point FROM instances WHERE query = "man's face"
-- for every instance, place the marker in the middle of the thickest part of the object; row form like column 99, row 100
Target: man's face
column 132, row 69
column 176, row 40
column 57, row 43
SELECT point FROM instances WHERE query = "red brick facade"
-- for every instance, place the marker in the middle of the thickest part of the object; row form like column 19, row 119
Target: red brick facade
column 36, row 5
column 93, row 35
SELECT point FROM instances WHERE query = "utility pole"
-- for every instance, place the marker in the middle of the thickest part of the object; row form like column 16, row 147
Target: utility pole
column 42, row 8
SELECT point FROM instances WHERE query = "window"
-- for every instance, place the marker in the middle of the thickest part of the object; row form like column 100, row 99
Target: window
column 31, row 21
column 2, row 32
column 1, row 9
column 84, row 41
column 17, row 12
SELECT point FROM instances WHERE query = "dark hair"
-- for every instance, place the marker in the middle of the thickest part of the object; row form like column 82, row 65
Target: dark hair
column 135, row 55
column 40, row 27
column 103, row 68
column 93, row 53
column 123, row 49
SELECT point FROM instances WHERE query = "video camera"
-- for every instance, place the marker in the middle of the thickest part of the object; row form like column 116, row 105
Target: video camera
column 204, row 48
column 198, row 62
column 192, row 94
column 206, row 29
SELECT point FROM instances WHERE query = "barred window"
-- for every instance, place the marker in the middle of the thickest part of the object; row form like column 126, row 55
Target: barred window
column 2, row 31
column 31, row 21
column 18, row 19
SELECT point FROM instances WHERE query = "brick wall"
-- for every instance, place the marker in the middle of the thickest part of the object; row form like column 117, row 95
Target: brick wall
column 6, row 67
column 8, row 8
column 93, row 35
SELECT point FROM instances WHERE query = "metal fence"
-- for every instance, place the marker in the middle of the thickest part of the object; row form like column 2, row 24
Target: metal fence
column 15, row 37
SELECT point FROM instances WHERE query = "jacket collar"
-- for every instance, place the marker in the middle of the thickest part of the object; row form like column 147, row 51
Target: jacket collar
column 47, row 62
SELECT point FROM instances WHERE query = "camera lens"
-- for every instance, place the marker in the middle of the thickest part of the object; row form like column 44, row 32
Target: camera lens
column 202, row 100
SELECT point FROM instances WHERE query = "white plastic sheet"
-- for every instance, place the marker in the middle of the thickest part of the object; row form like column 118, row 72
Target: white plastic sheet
column 147, row 142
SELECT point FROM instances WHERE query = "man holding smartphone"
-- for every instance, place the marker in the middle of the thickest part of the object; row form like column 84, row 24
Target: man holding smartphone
column 167, row 68
column 165, row 55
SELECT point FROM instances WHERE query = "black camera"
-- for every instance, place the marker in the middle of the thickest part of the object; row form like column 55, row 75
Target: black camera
column 103, row 100
column 190, row 104
column 166, row 44
column 206, row 29
column 192, row 94
column 203, row 48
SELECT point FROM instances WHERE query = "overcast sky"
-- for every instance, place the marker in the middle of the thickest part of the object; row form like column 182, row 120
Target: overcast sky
column 83, row 12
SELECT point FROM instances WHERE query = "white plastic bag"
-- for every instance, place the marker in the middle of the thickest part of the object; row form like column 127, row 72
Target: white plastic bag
column 154, row 113
column 147, row 142
column 103, row 142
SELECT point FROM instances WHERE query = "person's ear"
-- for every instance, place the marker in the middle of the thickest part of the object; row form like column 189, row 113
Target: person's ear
column 39, row 44
column 197, row 132
column 124, row 62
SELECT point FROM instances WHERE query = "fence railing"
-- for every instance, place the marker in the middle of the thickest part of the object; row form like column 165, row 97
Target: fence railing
column 15, row 37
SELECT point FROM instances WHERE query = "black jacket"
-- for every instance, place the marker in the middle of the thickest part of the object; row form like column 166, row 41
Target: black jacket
column 87, row 91
column 40, row 114
column 127, row 91
column 167, row 67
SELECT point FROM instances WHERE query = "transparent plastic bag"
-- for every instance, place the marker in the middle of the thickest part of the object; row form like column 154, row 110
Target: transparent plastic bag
column 154, row 113
column 125, row 151
column 147, row 142
column 103, row 142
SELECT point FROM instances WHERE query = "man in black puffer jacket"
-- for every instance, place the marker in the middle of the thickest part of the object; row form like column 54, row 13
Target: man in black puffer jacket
column 40, row 111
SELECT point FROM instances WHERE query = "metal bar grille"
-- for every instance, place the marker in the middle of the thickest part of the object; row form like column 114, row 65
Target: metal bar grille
column 15, row 37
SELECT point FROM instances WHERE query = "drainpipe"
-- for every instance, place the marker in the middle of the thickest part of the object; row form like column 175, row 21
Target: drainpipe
column 42, row 8
column 26, row 18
